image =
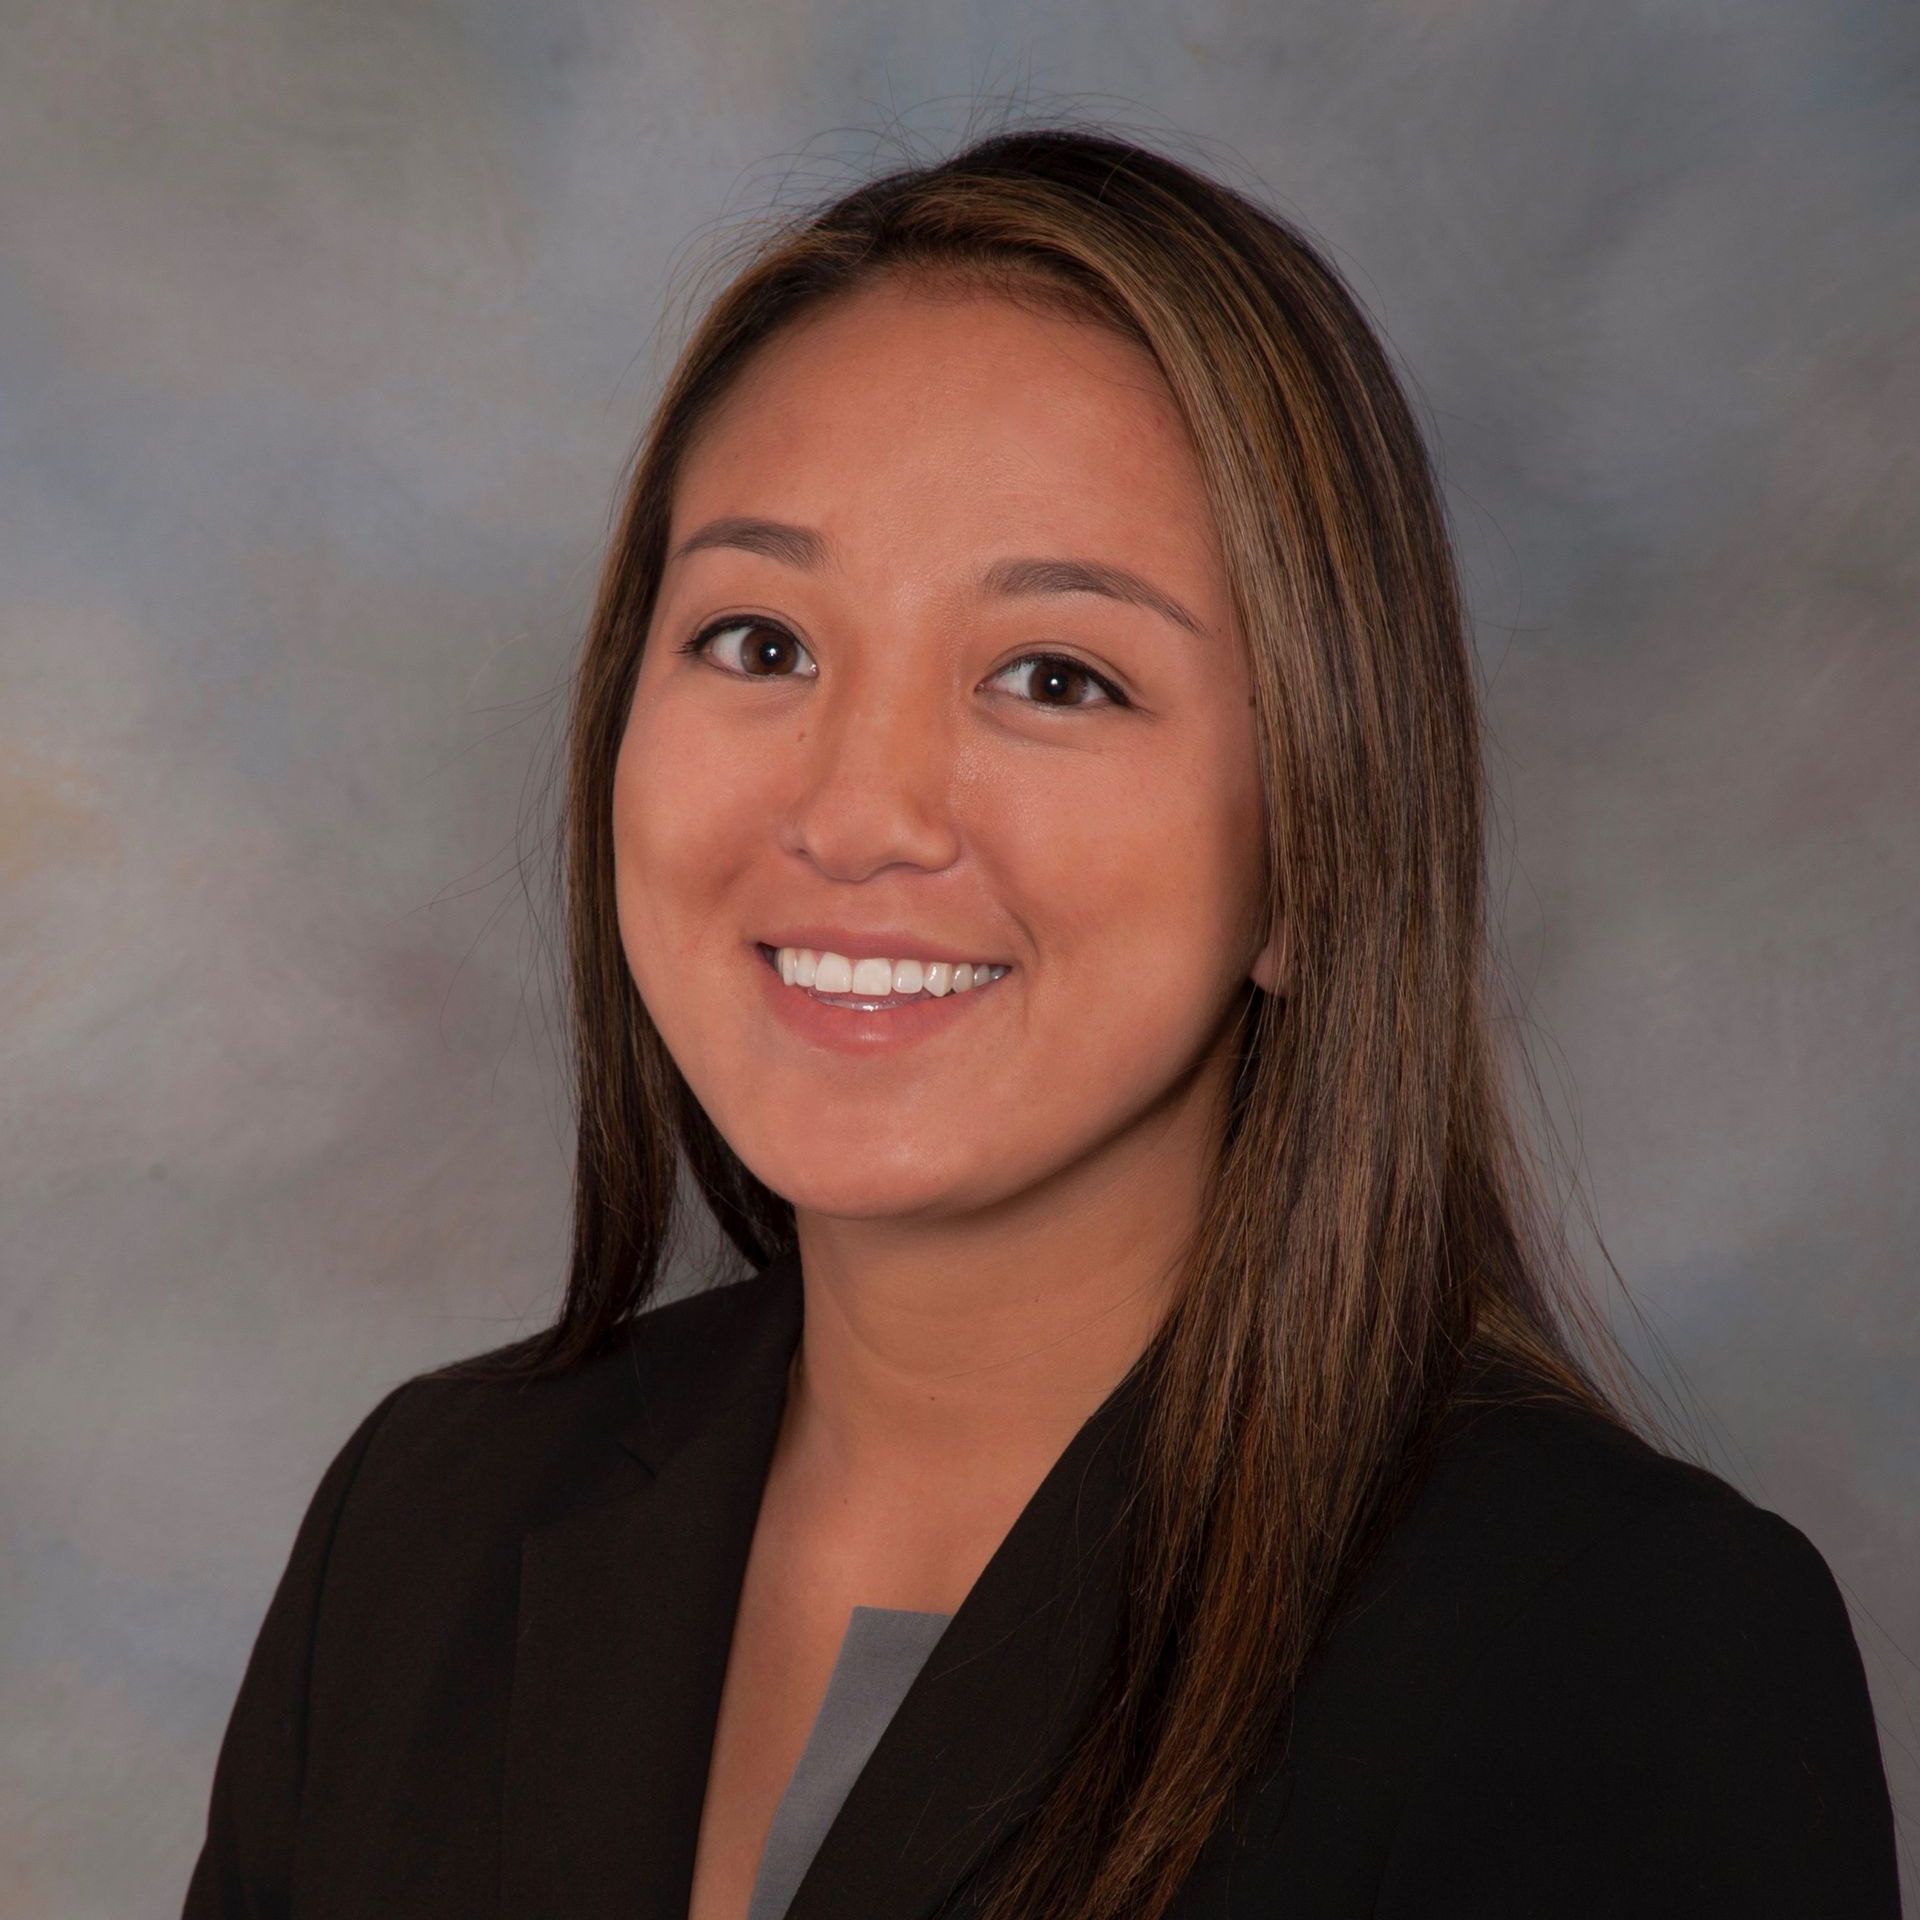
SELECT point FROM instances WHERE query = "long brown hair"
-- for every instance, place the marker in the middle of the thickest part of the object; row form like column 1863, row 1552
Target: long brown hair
column 1374, row 1215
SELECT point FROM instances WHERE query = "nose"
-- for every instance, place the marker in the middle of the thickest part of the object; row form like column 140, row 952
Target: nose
column 873, row 777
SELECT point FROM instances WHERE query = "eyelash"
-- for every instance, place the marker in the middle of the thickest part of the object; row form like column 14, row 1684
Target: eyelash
column 698, row 646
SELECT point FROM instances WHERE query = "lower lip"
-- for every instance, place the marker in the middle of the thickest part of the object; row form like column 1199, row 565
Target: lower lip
column 872, row 1025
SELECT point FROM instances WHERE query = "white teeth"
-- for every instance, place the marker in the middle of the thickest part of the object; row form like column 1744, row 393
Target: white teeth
column 879, row 979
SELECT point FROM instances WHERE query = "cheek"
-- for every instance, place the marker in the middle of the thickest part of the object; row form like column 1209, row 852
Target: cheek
column 1150, row 876
column 1141, row 891
column 679, row 821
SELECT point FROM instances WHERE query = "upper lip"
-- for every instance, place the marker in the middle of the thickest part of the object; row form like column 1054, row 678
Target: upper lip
column 892, row 943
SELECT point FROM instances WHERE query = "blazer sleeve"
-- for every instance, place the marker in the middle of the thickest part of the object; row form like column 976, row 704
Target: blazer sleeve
column 244, row 1871
column 1678, row 1724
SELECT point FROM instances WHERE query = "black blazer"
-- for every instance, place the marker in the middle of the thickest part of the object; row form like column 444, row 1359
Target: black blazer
column 1579, row 1678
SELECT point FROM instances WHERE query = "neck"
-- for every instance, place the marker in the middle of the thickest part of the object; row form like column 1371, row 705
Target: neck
column 974, row 1350
column 902, row 1373
column 945, row 1366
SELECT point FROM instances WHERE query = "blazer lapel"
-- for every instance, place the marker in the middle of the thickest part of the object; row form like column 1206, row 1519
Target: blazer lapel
column 625, row 1620
column 626, row 1615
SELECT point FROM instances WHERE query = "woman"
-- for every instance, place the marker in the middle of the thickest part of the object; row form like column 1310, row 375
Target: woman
column 1024, row 852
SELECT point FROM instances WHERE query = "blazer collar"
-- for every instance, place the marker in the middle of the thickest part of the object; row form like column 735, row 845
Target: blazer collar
column 626, row 1619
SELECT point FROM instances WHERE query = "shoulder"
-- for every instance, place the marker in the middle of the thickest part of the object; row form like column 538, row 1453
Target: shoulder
column 1587, row 1546
column 1634, row 1671
column 1522, row 1495
column 1523, row 1506
column 402, row 1586
column 1578, row 1676
column 1627, row 1523
column 472, row 1455
column 1581, row 1553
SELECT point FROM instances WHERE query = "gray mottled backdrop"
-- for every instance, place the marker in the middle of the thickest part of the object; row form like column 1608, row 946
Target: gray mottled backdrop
column 324, row 334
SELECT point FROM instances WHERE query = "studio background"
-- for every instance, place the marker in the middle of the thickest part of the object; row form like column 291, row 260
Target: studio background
column 325, row 334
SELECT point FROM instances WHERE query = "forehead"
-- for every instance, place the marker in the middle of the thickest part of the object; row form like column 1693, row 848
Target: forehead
column 902, row 413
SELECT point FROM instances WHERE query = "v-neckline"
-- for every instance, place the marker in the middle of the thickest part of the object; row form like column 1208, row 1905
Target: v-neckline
column 628, row 1598
column 881, row 1653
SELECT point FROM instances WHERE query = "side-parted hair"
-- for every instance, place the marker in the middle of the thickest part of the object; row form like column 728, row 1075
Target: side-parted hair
column 1373, row 1214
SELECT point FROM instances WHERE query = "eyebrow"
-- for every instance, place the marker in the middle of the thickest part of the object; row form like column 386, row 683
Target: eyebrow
column 1014, row 578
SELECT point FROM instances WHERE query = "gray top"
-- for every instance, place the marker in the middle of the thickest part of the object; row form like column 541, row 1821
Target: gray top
column 883, row 1650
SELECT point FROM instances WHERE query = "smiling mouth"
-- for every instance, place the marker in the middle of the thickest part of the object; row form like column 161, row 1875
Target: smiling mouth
column 939, row 985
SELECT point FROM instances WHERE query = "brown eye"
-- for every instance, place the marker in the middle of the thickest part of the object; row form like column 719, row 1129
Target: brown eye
column 1057, row 680
column 764, row 649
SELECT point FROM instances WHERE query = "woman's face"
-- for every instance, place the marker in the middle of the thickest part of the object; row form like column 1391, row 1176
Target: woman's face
column 867, row 758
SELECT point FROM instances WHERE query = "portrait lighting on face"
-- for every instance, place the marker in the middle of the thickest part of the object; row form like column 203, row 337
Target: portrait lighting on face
column 937, row 815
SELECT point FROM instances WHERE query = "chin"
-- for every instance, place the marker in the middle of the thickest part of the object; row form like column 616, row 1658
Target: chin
column 905, row 1184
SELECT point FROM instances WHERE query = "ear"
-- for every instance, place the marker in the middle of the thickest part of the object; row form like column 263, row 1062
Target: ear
column 1269, row 971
